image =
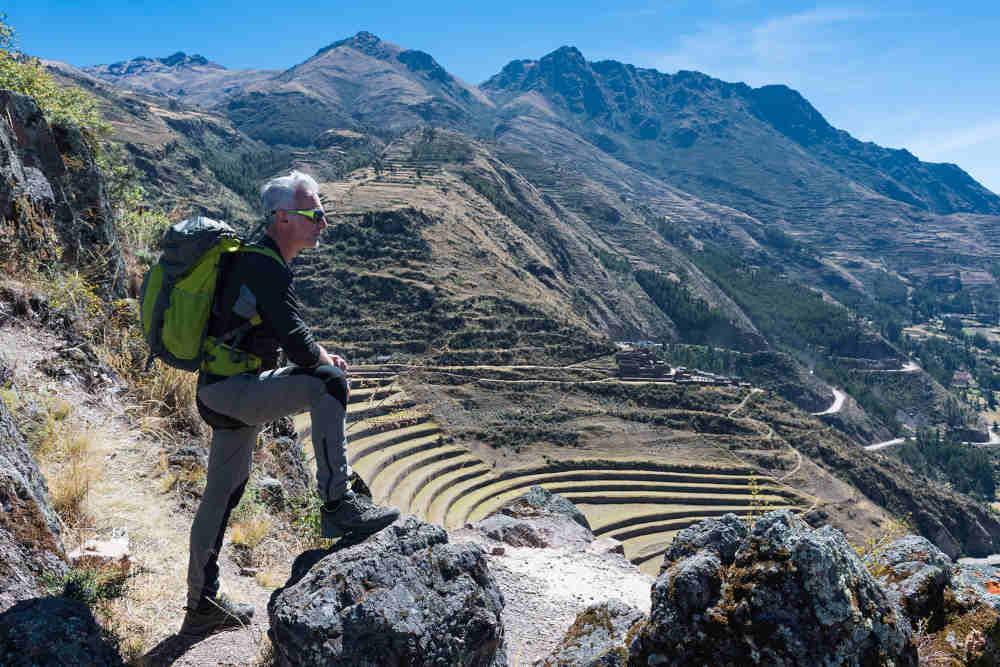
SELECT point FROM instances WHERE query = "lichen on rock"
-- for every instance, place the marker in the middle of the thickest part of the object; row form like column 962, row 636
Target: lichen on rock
column 404, row 596
column 791, row 596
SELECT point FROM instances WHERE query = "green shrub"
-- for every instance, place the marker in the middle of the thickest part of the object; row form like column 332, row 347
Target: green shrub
column 27, row 76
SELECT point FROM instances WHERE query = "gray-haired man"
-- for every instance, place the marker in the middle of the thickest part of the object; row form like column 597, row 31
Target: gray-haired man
column 240, row 389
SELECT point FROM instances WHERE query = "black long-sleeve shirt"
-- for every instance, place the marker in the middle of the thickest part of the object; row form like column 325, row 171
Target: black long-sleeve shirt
column 270, row 285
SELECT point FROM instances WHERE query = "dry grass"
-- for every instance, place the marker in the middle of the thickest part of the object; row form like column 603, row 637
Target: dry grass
column 66, row 453
column 251, row 532
column 167, row 397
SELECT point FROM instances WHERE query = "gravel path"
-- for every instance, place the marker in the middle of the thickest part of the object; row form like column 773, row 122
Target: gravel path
column 545, row 589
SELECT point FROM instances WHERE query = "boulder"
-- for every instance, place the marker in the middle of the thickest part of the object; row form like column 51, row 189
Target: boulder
column 271, row 492
column 792, row 596
column 970, row 634
column 54, row 631
column 915, row 574
column 540, row 502
column 539, row 518
column 290, row 467
column 721, row 536
column 404, row 596
column 540, row 532
column 30, row 545
column 598, row 637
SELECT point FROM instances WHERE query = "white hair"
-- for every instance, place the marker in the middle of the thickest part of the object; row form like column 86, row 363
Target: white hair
column 280, row 192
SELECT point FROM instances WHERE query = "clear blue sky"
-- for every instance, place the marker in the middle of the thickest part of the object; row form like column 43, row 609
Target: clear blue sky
column 920, row 75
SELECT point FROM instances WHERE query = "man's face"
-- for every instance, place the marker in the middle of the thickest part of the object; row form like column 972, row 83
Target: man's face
column 304, row 232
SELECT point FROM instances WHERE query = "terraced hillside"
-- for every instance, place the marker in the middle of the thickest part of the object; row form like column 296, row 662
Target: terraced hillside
column 409, row 461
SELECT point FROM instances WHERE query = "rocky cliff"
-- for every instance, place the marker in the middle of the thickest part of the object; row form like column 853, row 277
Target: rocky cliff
column 53, row 202
column 30, row 545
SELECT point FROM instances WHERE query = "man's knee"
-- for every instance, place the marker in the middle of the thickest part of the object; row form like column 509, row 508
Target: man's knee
column 335, row 381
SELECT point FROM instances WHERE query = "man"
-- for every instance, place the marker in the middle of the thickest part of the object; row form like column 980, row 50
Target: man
column 240, row 389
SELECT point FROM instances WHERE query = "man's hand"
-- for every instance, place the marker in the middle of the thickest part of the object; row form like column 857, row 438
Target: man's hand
column 331, row 359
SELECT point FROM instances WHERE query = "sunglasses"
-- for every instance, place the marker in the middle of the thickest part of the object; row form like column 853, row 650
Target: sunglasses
column 317, row 216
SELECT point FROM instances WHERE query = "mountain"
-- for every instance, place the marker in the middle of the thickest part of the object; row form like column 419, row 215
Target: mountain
column 618, row 201
column 766, row 152
column 759, row 149
column 361, row 82
column 192, row 79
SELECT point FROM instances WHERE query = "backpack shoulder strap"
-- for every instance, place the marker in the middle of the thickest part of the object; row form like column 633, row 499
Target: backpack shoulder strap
column 263, row 251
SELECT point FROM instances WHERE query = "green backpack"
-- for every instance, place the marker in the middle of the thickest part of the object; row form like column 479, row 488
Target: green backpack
column 177, row 295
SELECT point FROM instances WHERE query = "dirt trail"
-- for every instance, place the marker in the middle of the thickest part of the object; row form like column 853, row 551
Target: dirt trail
column 126, row 497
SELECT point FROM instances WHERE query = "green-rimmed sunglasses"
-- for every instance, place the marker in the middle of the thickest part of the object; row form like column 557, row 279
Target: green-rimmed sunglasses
column 316, row 215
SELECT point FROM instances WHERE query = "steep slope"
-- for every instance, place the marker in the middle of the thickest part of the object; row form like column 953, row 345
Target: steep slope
column 190, row 160
column 357, row 82
column 599, row 163
column 447, row 250
column 766, row 152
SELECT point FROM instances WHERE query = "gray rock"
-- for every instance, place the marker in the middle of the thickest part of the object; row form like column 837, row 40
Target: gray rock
column 38, row 189
column 539, row 518
column 916, row 575
column 721, row 536
column 54, row 631
column 55, row 212
column 539, row 501
column 792, row 596
column 404, row 596
column 598, row 637
column 30, row 544
column 543, row 531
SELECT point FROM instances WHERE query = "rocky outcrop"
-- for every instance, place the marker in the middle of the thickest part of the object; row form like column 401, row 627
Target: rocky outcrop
column 722, row 536
column 599, row 637
column 404, row 596
column 916, row 574
column 790, row 595
column 53, row 203
column 54, row 631
column 539, row 518
column 30, row 545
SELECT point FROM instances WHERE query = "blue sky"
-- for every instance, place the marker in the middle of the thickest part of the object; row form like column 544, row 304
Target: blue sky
column 918, row 75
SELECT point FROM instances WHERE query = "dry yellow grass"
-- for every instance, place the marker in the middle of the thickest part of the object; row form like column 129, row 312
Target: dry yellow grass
column 67, row 458
column 250, row 532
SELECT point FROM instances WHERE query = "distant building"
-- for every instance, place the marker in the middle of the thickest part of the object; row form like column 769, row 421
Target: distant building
column 640, row 362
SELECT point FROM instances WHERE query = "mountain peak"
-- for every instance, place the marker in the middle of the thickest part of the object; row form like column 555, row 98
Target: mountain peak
column 176, row 60
column 566, row 55
column 366, row 43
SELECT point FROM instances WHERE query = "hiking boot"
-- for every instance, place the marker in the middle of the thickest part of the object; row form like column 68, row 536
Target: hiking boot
column 355, row 515
column 214, row 614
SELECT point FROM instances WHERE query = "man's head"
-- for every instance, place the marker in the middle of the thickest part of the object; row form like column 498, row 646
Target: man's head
column 292, row 202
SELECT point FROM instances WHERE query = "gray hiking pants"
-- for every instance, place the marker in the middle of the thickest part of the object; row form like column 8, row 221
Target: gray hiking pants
column 256, row 400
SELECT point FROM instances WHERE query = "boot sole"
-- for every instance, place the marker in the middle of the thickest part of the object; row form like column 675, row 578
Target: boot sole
column 332, row 532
